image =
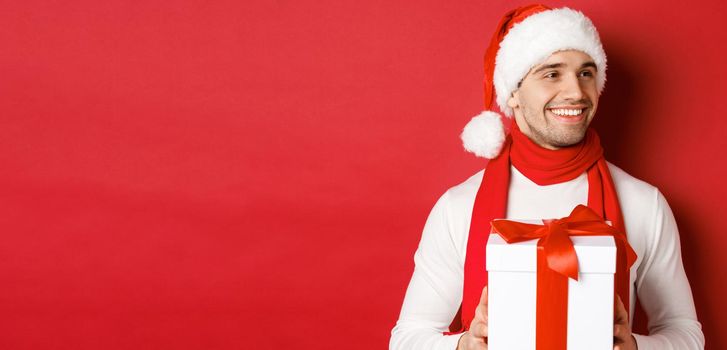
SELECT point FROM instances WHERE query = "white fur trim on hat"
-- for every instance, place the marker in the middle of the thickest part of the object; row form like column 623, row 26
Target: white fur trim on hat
column 484, row 135
column 533, row 40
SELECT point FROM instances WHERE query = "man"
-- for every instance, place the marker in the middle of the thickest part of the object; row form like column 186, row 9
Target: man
column 547, row 68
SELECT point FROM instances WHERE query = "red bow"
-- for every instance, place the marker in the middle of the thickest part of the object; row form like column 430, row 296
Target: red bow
column 553, row 235
column 557, row 260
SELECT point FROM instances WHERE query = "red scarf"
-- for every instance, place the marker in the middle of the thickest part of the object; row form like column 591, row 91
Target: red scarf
column 544, row 167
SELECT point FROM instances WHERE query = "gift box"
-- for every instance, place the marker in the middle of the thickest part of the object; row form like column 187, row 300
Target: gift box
column 512, row 286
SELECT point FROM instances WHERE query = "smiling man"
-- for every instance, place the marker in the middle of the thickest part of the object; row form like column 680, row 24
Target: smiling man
column 546, row 68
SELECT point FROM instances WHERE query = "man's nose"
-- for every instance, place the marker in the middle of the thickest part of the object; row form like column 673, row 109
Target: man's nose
column 572, row 89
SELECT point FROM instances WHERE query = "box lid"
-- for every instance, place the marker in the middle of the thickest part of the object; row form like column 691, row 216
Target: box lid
column 596, row 254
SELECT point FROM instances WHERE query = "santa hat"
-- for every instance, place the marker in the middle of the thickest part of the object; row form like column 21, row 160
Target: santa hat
column 525, row 37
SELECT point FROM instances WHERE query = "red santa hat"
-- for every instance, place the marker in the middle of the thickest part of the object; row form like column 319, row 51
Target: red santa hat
column 525, row 37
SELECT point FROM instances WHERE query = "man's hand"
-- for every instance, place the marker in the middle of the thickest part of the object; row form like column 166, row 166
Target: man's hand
column 476, row 337
column 622, row 338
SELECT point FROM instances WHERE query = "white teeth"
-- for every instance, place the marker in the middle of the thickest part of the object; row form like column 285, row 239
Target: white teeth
column 564, row 112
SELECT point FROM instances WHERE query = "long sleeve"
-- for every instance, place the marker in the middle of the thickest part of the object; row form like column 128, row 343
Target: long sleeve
column 664, row 291
column 435, row 290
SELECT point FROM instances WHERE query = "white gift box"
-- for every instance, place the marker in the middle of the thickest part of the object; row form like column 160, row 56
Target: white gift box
column 512, row 290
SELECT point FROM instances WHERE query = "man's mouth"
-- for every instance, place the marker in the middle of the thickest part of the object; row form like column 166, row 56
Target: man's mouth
column 568, row 115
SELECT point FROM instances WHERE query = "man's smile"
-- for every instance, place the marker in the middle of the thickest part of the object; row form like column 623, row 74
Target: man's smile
column 568, row 114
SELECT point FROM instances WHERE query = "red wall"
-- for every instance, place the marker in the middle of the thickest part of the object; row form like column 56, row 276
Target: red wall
column 211, row 175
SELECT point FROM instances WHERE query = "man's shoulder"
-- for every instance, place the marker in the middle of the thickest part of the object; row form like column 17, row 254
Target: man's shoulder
column 624, row 179
column 462, row 195
column 467, row 187
column 630, row 189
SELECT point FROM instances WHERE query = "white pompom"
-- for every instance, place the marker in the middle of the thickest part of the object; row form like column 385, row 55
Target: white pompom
column 484, row 135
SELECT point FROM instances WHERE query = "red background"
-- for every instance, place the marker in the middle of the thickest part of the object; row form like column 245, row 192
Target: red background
column 209, row 175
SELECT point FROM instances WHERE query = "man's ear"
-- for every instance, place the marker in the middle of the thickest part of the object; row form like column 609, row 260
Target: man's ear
column 513, row 102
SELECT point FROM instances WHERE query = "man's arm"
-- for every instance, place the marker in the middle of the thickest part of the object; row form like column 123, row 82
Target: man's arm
column 435, row 290
column 664, row 291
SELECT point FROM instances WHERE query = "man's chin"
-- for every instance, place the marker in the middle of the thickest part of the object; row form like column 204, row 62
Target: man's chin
column 567, row 140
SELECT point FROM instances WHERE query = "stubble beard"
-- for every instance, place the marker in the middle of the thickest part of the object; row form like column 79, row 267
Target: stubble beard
column 547, row 132
column 560, row 136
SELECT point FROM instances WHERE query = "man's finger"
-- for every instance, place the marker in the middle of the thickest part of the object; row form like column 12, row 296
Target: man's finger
column 618, row 333
column 483, row 297
column 481, row 310
column 478, row 329
column 621, row 316
column 481, row 313
column 615, row 333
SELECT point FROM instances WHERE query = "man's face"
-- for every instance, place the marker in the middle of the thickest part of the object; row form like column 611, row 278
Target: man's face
column 557, row 99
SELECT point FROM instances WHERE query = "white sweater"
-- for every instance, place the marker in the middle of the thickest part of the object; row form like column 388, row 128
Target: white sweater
column 435, row 290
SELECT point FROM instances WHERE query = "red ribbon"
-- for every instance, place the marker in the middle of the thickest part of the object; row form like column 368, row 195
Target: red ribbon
column 557, row 261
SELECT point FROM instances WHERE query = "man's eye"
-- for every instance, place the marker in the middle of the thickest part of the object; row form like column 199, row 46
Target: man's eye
column 551, row 75
column 586, row 73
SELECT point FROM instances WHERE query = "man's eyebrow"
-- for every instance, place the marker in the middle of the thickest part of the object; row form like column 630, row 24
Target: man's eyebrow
column 548, row 66
column 560, row 65
column 590, row 64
